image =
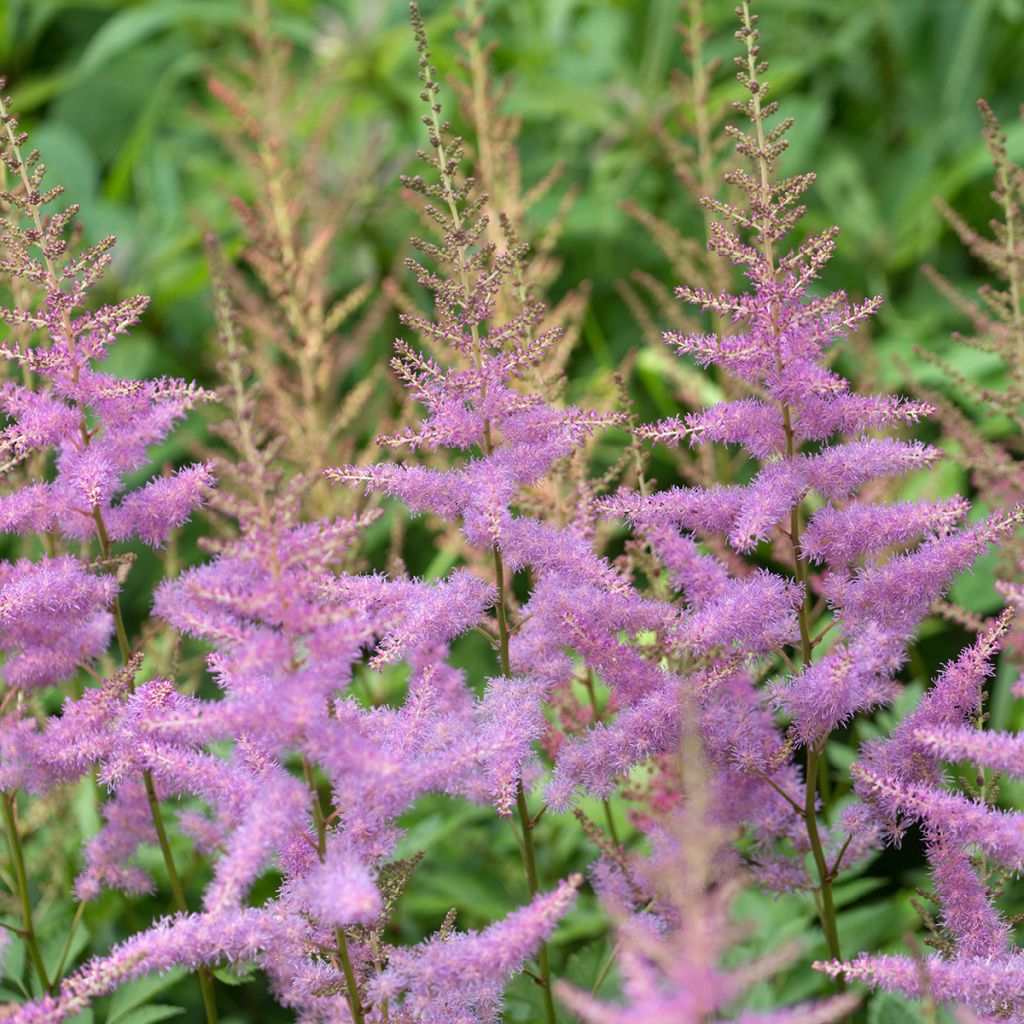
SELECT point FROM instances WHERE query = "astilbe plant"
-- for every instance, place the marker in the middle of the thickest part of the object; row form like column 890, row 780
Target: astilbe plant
column 61, row 608
column 673, row 914
column 513, row 212
column 903, row 779
column 997, row 318
column 285, row 644
column 859, row 579
column 301, row 200
column 482, row 401
column 761, row 616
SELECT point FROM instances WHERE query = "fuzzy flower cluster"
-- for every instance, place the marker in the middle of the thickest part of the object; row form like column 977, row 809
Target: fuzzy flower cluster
column 903, row 780
column 94, row 429
column 747, row 621
column 76, row 440
column 674, row 923
column 833, row 627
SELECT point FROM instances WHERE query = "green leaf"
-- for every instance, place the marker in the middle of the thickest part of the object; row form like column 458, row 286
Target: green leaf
column 135, row 994
column 241, row 975
column 149, row 1014
column 127, row 29
column 887, row 1008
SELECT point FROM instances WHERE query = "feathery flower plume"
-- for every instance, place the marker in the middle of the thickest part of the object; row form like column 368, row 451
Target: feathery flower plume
column 840, row 619
column 76, row 435
column 903, row 780
column 673, row 921
column 300, row 334
column 482, row 388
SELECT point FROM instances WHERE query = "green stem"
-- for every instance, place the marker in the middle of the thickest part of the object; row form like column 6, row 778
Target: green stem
column 177, row 890
column 588, row 682
column 21, row 877
column 530, row 863
column 828, row 907
column 609, row 817
column 352, row 996
column 318, row 812
column 354, row 1003
column 525, row 823
column 66, row 950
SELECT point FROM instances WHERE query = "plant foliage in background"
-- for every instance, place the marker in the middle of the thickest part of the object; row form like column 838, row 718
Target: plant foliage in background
column 487, row 634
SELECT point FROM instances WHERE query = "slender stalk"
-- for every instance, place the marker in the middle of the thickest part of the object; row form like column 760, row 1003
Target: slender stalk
column 826, row 906
column 530, row 863
column 21, row 878
column 588, row 682
column 318, row 812
column 526, row 824
column 825, row 877
column 177, row 890
column 350, row 978
column 352, row 995
column 66, row 950
column 612, row 830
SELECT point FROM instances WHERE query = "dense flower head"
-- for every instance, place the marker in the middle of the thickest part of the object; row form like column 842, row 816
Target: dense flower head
column 673, row 920
column 303, row 707
column 92, row 429
column 479, row 377
column 459, row 978
column 903, row 781
column 863, row 573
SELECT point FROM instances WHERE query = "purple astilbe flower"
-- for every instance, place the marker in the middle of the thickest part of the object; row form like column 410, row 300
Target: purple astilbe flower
column 54, row 614
column 483, row 391
column 840, row 619
column 448, row 979
column 280, row 652
column 75, row 442
column 903, row 781
column 287, row 637
column 482, row 402
column 673, row 921
column 459, row 978
column 186, row 940
column 989, row 984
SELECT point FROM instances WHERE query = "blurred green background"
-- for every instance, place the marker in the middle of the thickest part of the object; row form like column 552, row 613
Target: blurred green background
column 884, row 93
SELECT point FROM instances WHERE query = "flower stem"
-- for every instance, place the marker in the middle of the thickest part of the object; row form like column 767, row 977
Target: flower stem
column 352, row 996
column 21, row 879
column 525, row 822
column 530, row 863
column 354, row 1003
column 826, row 905
column 177, row 890
column 64, row 953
